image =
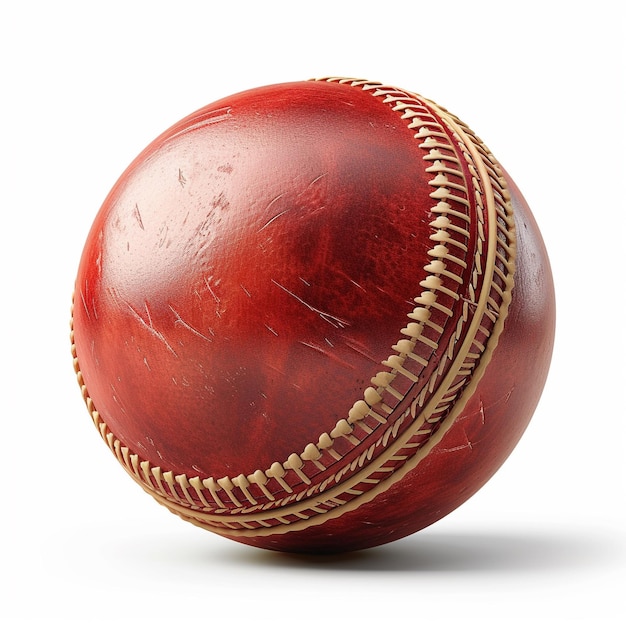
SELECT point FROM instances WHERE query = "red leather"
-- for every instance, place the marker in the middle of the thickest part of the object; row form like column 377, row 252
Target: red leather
column 246, row 277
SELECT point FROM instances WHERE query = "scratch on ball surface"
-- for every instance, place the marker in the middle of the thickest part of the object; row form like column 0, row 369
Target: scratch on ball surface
column 358, row 286
column 483, row 408
column 314, row 347
column 181, row 322
column 211, row 117
column 317, row 179
column 85, row 307
column 207, row 282
column 268, row 207
column 360, row 349
column 273, row 219
column 137, row 216
column 468, row 445
column 327, row 353
column 327, row 317
column 163, row 236
column 149, row 327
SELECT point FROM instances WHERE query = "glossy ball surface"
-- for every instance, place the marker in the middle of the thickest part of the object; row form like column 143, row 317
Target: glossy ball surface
column 314, row 316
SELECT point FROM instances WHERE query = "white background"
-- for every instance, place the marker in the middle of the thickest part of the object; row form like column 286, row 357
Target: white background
column 86, row 87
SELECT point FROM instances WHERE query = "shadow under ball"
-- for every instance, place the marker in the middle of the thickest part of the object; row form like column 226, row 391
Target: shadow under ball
column 314, row 316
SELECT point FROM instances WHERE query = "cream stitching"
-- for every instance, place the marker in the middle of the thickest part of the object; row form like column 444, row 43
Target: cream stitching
column 205, row 502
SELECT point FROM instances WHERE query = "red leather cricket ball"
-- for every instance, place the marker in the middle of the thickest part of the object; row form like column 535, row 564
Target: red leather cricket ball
column 313, row 316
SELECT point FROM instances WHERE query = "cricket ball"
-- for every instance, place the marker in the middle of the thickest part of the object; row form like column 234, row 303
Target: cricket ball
column 314, row 316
